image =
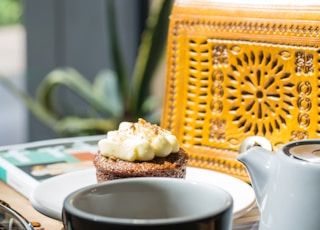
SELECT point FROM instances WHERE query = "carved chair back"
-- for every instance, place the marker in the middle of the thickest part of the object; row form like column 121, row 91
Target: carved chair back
column 237, row 70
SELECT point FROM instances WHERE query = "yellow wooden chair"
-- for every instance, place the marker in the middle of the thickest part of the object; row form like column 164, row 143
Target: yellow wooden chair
column 237, row 70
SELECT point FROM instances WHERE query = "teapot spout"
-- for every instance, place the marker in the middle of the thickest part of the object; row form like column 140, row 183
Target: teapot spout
column 259, row 164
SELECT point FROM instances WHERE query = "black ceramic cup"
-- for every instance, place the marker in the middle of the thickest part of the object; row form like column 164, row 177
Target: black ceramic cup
column 148, row 203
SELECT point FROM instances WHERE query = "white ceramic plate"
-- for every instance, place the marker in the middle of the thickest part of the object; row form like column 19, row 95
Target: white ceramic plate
column 49, row 195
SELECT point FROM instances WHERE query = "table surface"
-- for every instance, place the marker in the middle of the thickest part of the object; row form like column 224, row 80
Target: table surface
column 23, row 206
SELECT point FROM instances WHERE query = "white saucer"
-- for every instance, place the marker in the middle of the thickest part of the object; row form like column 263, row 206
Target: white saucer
column 49, row 195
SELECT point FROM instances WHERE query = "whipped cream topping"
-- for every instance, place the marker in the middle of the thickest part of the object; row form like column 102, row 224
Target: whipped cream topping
column 140, row 141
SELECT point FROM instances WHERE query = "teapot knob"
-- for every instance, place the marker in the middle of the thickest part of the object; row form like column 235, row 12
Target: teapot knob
column 252, row 141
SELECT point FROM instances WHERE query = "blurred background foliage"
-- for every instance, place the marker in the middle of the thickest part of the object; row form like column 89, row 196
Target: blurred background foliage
column 113, row 96
column 10, row 12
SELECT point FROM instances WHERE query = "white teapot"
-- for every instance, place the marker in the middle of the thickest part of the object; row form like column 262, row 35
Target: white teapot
column 286, row 183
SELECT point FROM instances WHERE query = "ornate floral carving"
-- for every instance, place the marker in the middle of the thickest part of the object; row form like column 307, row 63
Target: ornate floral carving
column 217, row 130
column 304, row 103
column 304, row 63
column 260, row 102
column 298, row 135
column 220, row 55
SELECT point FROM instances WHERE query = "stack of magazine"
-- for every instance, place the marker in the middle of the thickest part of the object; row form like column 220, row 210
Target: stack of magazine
column 24, row 166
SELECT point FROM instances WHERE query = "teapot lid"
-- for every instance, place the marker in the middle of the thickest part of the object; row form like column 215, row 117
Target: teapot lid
column 304, row 150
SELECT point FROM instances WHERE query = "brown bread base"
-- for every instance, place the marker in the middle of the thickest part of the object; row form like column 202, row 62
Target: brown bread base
column 108, row 168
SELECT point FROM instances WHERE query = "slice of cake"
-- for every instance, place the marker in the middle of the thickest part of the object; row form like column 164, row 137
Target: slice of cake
column 139, row 149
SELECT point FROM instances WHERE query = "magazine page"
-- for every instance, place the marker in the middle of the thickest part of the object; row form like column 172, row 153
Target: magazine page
column 24, row 166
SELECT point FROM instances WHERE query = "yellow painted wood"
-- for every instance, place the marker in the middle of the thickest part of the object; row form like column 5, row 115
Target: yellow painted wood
column 235, row 71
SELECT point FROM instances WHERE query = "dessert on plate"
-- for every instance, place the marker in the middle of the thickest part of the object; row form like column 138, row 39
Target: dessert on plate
column 139, row 149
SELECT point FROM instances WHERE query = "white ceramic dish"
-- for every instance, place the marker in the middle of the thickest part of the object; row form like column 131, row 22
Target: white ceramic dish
column 49, row 195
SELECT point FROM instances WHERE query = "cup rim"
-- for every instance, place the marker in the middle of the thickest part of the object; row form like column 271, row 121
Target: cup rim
column 71, row 210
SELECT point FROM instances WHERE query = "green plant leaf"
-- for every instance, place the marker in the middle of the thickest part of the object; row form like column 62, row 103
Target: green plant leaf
column 118, row 60
column 150, row 104
column 65, row 126
column 75, row 82
column 105, row 86
column 153, row 44
column 75, row 126
column 34, row 106
column 151, row 110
